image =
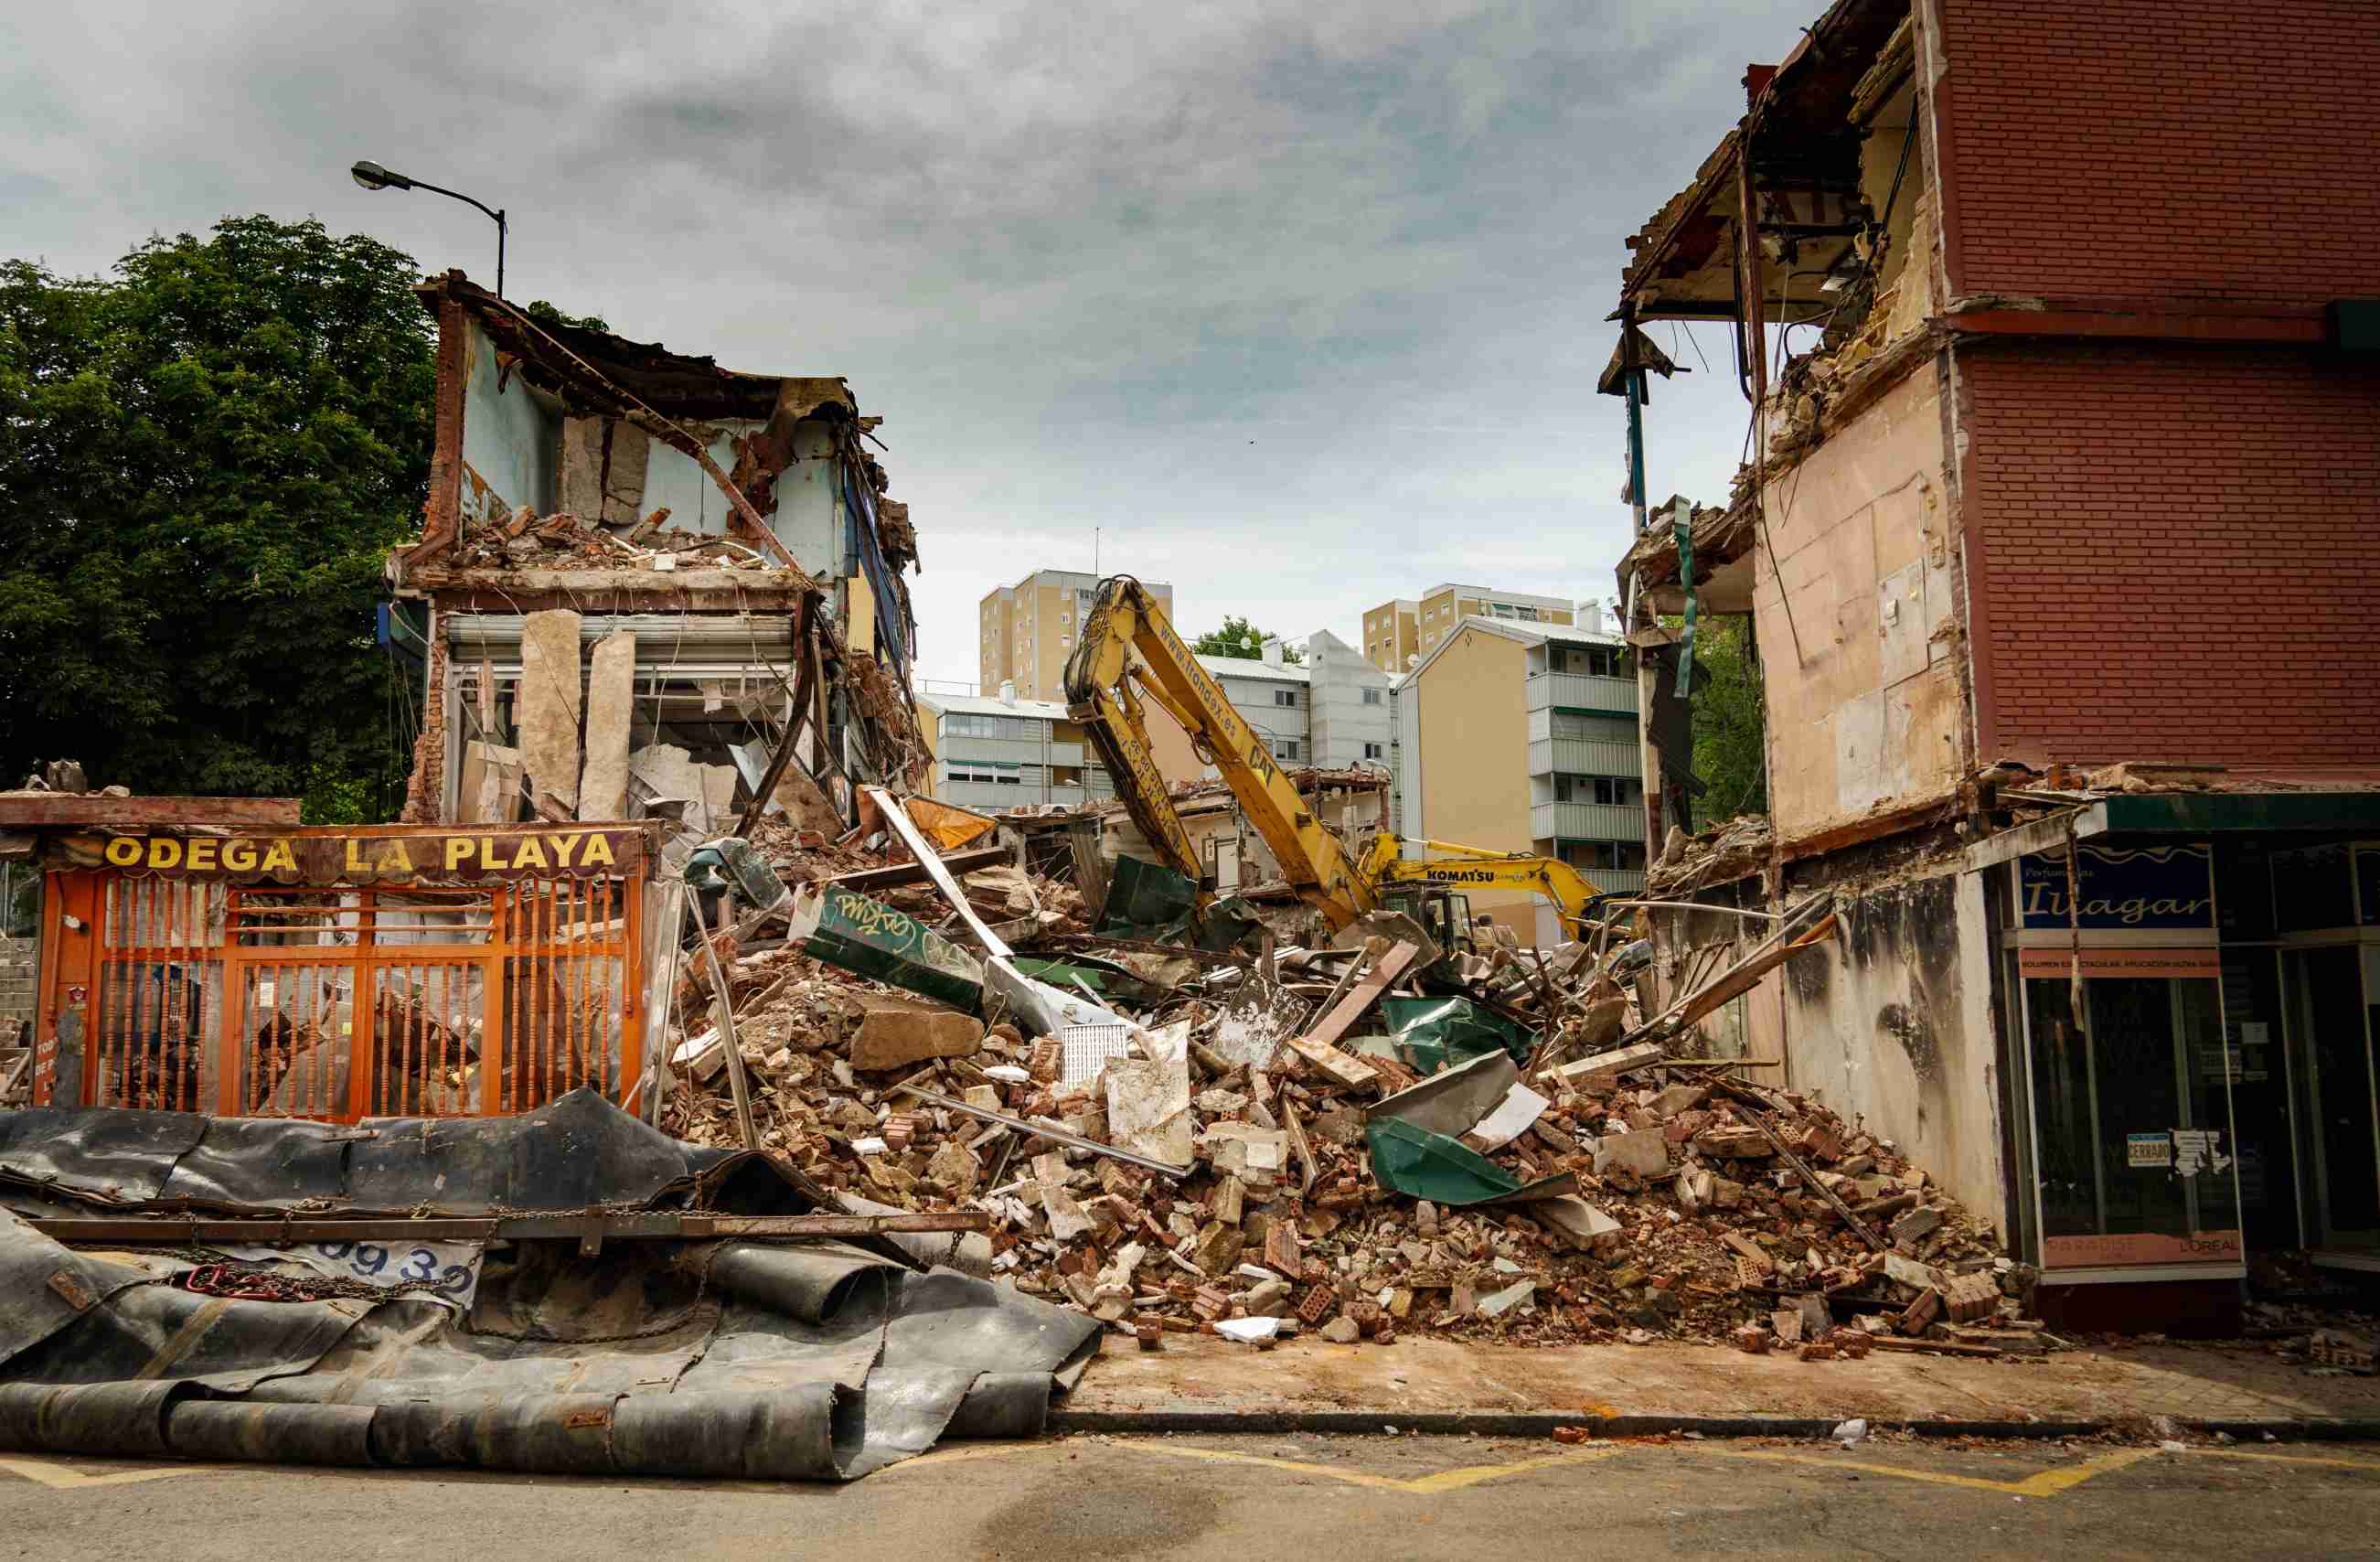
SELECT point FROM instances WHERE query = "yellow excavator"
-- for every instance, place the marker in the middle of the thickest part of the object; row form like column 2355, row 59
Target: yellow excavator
column 1105, row 685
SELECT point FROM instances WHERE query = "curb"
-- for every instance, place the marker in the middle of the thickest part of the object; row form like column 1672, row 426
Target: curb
column 1541, row 1423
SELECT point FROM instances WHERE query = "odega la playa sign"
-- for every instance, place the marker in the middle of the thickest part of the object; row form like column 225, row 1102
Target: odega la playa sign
column 330, row 855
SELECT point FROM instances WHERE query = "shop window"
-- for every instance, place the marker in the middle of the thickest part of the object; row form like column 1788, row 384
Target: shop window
column 2313, row 888
column 2131, row 1122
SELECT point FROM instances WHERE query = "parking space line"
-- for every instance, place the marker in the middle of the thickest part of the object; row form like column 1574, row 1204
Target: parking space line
column 2042, row 1483
column 59, row 1476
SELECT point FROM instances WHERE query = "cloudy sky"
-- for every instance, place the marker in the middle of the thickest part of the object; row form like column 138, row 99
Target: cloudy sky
column 1301, row 304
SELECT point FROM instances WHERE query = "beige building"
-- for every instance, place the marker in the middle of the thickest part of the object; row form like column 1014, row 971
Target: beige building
column 1028, row 630
column 1397, row 634
column 1523, row 737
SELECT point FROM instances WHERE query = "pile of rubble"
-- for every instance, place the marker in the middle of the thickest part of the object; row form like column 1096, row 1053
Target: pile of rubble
column 563, row 540
column 1321, row 1139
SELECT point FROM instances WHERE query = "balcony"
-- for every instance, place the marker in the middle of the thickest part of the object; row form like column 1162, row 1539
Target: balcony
column 1616, row 881
column 1580, row 756
column 1582, row 691
column 1587, row 821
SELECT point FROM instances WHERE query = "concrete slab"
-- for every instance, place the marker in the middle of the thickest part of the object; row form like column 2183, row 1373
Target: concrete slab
column 611, row 703
column 549, row 706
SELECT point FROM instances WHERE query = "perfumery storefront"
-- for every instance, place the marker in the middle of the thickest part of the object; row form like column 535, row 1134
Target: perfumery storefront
column 2187, row 1023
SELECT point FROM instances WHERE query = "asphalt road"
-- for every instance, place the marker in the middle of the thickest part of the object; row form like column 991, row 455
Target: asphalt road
column 1256, row 1499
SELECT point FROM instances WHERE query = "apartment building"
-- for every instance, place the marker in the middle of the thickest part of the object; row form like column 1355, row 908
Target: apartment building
column 1027, row 632
column 1399, row 633
column 1000, row 751
column 1523, row 737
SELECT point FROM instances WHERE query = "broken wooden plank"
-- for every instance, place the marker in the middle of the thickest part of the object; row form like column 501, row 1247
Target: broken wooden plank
column 25, row 809
column 1349, row 1009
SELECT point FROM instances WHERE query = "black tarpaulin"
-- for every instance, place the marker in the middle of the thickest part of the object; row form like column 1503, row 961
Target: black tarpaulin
column 815, row 1360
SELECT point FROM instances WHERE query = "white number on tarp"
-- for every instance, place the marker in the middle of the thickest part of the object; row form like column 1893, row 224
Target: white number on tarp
column 447, row 1271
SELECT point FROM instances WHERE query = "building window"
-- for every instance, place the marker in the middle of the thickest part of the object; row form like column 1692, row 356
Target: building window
column 1606, row 789
column 1284, row 697
column 1373, row 751
column 1503, row 610
column 1371, row 697
column 1064, row 642
column 1284, row 748
column 1431, row 638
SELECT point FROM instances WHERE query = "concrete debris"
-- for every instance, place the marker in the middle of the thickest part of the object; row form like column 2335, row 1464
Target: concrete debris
column 1195, row 1181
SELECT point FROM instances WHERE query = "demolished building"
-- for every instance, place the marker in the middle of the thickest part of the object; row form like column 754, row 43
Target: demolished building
column 722, row 546
column 2059, row 539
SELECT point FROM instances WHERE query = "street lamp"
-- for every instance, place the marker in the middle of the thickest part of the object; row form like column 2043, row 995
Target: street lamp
column 371, row 175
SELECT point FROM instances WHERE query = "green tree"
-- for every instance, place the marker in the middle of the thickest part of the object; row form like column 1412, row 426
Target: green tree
column 1239, row 638
column 203, row 461
column 1728, row 730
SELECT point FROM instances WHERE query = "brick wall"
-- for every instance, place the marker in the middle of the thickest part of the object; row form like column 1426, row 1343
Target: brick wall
column 2176, row 553
column 2192, row 149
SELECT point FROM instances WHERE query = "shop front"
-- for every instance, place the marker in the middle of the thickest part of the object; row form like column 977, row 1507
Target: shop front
column 2188, row 1026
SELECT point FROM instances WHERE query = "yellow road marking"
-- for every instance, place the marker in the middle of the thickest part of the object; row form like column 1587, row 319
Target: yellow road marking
column 58, row 1476
column 1423, row 1485
column 2372, row 1465
column 2047, row 1483
column 964, row 1452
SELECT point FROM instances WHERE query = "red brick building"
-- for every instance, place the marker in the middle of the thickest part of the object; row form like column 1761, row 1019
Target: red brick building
column 2061, row 540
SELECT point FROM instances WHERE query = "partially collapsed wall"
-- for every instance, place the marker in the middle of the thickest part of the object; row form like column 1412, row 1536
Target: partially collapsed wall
column 644, row 574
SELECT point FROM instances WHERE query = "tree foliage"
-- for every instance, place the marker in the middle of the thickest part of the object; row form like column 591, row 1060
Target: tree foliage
column 1239, row 638
column 203, row 461
column 1729, row 724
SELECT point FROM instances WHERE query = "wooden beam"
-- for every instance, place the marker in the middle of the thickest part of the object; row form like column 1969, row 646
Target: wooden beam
column 35, row 810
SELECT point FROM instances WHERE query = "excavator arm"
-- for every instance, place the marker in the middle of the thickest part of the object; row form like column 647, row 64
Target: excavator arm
column 1104, row 693
column 1476, row 868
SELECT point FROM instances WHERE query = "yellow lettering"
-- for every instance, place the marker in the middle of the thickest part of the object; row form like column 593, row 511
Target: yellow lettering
column 279, row 857
column 599, row 849
column 124, row 851
column 457, row 848
column 563, row 847
column 356, row 863
column 165, row 852
column 202, row 856
column 488, row 858
column 530, row 853
column 239, row 856
column 393, row 859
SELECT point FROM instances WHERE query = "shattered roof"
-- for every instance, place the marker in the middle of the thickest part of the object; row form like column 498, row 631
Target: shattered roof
column 679, row 384
column 1682, row 261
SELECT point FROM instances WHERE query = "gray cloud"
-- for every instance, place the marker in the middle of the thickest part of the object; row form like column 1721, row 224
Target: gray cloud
column 1302, row 304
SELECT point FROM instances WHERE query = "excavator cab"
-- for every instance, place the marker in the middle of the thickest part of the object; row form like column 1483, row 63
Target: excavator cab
column 1443, row 914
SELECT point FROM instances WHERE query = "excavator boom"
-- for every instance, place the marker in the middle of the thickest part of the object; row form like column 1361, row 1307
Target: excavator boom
column 1100, row 697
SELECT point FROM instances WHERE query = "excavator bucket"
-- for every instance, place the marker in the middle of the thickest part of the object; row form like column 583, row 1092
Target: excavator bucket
column 1397, row 928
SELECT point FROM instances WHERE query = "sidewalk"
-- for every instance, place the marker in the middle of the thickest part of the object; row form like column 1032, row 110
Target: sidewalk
column 1197, row 1382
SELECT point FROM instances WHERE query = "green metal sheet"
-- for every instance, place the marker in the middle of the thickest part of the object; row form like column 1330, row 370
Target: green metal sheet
column 1429, row 1034
column 846, row 928
column 1422, row 1165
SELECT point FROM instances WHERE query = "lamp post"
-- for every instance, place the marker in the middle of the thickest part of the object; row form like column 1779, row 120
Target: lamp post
column 371, row 175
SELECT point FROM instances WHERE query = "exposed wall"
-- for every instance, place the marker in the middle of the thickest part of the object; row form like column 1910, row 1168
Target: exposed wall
column 1857, row 653
column 1890, row 1024
column 2189, row 149
column 511, row 437
column 2178, row 551
column 1471, row 740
